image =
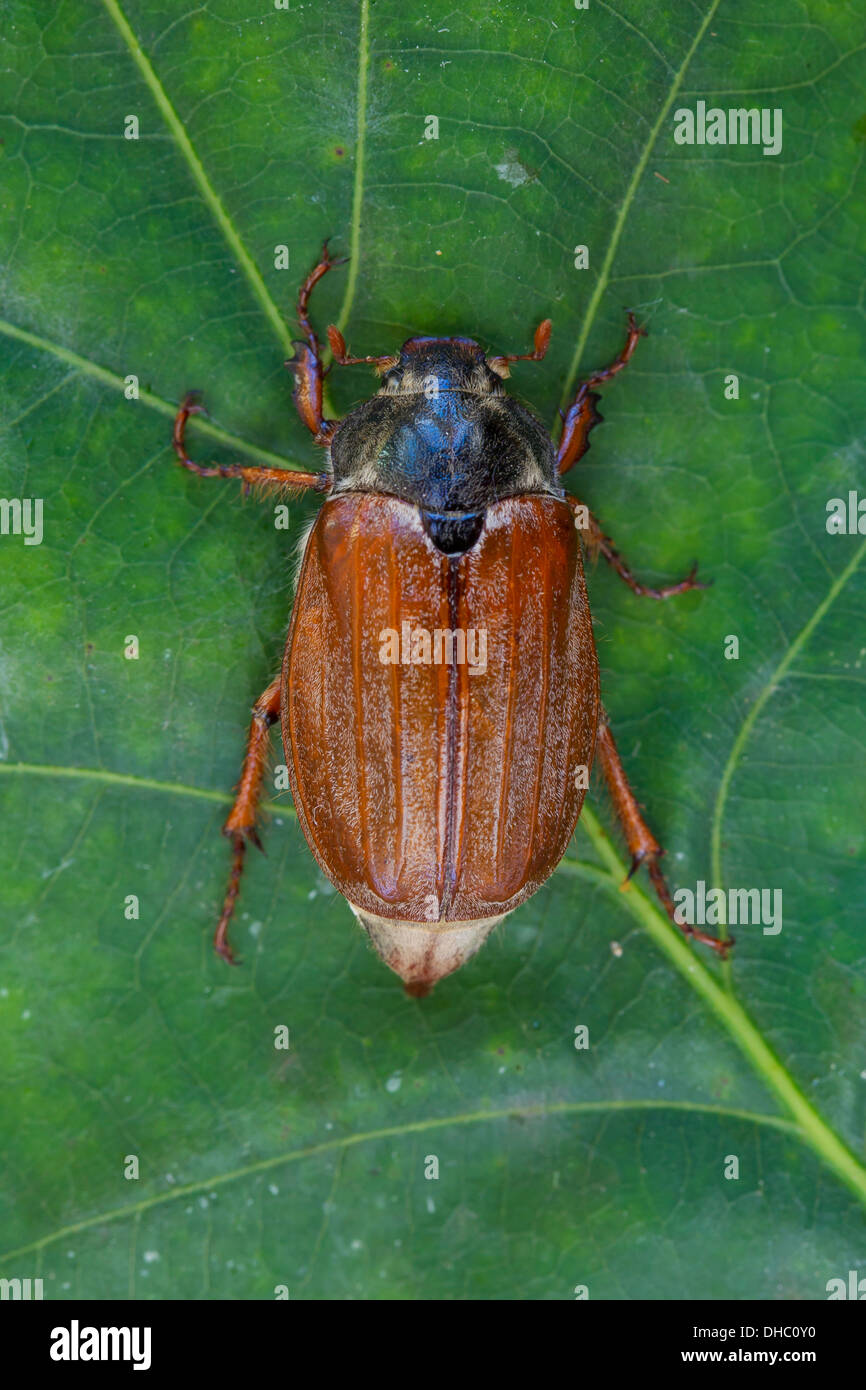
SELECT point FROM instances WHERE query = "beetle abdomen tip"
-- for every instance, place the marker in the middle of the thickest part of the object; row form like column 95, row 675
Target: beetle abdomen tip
column 422, row 953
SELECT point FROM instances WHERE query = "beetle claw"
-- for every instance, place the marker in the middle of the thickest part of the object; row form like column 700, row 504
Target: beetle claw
column 328, row 259
column 224, row 950
column 642, row 330
column 636, row 861
column 192, row 404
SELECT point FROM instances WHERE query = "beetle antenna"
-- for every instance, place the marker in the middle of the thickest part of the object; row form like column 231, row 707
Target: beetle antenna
column 341, row 357
column 541, row 343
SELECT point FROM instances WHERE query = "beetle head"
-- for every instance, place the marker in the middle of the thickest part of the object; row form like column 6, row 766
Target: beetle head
column 431, row 366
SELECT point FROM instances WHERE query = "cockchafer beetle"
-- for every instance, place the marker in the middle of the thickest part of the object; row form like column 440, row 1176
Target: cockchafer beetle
column 438, row 793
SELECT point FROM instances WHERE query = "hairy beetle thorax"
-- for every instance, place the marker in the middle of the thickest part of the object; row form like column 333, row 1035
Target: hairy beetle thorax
column 442, row 433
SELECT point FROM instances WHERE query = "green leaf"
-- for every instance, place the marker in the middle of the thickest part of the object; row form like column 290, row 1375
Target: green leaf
column 260, row 127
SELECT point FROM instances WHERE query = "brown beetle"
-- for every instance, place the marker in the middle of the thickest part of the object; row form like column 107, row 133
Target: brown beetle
column 439, row 695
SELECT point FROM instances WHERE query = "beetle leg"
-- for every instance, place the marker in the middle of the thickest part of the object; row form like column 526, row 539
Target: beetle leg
column 642, row 844
column 597, row 543
column 582, row 415
column 241, row 824
column 577, row 422
column 283, row 479
column 307, row 361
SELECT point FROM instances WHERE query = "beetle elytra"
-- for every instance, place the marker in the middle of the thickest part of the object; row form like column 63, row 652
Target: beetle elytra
column 439, row 691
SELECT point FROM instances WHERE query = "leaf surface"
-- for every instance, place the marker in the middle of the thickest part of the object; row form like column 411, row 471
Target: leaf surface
column 155, row 257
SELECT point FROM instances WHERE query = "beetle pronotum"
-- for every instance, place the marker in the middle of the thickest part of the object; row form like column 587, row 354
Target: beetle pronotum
column 437, row 793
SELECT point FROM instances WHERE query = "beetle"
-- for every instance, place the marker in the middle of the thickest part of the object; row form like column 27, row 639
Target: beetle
column 436, row 790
